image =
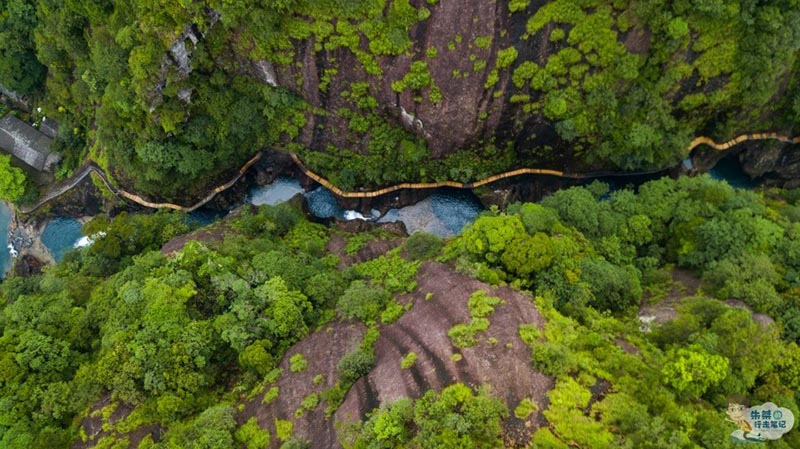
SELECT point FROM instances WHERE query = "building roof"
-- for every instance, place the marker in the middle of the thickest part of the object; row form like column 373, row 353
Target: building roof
column 26, row 143
column 49, row 127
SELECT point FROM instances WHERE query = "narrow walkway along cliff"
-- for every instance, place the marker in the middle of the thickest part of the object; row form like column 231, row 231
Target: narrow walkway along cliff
column 90, row 167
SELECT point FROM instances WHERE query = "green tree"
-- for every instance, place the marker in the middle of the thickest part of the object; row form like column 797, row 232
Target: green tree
column 20, row 70
column 12, row 180
column 362, row 301
column 457, row 418
column 692, row 371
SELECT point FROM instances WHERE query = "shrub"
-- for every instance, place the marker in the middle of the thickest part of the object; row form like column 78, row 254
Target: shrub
column 355, row 364
column 283, row 429
column 529, row 333
column 252, row 436
column 295, row 443
column 362, row 301
column 270, row 395
column 422, row 245
column 392, row 313
column 525, row 408
column 506, row 57
column 409, row 360
column 298, row 364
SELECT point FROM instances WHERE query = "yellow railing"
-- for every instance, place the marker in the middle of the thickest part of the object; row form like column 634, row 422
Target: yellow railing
column 702, row 140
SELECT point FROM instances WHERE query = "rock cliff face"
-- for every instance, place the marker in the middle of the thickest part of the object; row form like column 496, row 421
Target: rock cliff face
column 468, row 113
column 777, row 163
column 773, row 163
column 556, row 83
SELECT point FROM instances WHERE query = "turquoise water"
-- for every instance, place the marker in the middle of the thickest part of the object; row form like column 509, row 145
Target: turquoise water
column 456, row 208
column 60, row 236
column 204, row 217
column 322, row 204
column 5, row 257
column 283, row 189
column 445, row 213
column 729, row 170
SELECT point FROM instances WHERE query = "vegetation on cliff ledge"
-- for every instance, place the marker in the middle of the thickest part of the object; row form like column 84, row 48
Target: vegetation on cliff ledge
column 168, row 97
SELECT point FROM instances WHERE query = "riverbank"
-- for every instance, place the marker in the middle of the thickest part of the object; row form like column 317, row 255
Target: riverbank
column 263, row 181
column 89, row 168
column 24, row 243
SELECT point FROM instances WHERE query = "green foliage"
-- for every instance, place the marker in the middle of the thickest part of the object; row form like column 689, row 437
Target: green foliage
column 391, row 271
column 518, row 5
column 295, row 443
column 481, row 306
column 362, row 301
column 20, row 71
column 612, row 287
column 283, row 429
column 297, row 363
column 557, row 35
column 506, row 57
column 270, row 395
column 355, row 364
column 524, row 409
column 408, row 360
column 167, row 335
column 252, row 435
column 12, row 180
column 308, row 404
column 483, row 42
column 528, row 333
column 393, row 312
column 692, row 371
column 212, row 429
column 428, row 421
column 356, row 242
column 422, row 245
column 417, row 78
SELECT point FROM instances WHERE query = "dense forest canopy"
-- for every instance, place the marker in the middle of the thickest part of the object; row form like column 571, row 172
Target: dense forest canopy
column 187, row 340
column 168, row 95
column 128, row 343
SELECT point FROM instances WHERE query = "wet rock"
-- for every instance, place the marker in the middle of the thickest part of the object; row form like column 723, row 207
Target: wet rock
column 394, row 227
column 778, row 163
column 28, row 265
column 25, row 238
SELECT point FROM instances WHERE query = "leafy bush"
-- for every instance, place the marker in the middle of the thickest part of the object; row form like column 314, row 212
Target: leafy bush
column 427, row 422
column 252, row 436
column 408, row 360
column 270, row 395
column 283, row 429
column 393, row 312
column 422, row 245
column 355, row 364
column 362, row 301
column 297, row 364
column 525, row 408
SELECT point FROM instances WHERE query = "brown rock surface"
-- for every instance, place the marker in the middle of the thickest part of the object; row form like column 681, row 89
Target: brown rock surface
column 504, row 365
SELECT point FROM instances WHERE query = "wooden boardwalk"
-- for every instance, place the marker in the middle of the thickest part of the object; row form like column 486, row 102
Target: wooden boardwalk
column 90, row 167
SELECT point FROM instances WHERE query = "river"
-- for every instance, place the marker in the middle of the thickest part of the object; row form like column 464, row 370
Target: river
column 5, row 220
column 444, row 213
column 62, row 235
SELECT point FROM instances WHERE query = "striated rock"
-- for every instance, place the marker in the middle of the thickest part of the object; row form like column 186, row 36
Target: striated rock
column 468, row 112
